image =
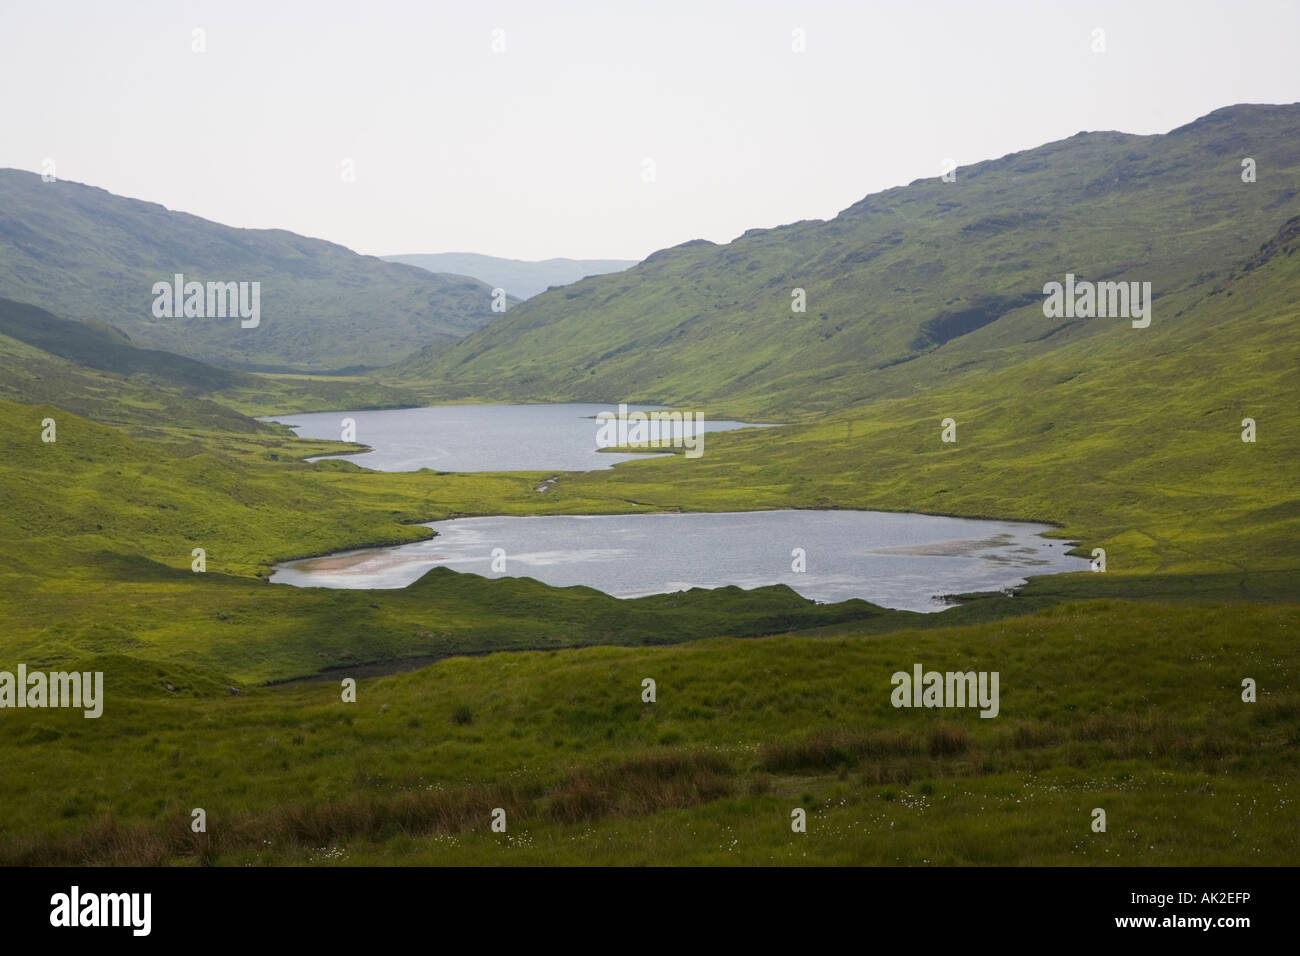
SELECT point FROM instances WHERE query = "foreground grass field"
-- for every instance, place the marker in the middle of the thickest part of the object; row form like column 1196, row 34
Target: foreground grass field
column 1132, row 707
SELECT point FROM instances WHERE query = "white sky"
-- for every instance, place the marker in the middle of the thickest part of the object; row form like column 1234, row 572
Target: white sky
column 538, row 151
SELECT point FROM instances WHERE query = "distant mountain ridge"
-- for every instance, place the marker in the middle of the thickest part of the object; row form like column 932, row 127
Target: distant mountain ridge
column 82, row 252
column 519, row 277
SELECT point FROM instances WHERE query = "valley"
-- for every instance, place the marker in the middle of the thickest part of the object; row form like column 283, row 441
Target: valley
column 477, row 690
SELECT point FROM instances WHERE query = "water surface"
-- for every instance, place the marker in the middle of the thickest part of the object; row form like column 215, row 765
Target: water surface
column 558, row 437
column 905, row 561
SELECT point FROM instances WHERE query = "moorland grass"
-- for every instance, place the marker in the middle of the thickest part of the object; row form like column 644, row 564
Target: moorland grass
column 1134, row 707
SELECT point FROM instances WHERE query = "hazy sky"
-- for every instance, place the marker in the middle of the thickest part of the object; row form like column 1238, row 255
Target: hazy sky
column 541, row 150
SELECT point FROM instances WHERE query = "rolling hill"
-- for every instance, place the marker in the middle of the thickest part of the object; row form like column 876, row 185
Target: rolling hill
column 92, row 369
column 84, row 253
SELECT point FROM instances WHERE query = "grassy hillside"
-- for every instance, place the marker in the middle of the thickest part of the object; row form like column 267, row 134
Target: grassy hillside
column 906, row 288
column 1135, row 447
column 84, row 253
column 92, row 369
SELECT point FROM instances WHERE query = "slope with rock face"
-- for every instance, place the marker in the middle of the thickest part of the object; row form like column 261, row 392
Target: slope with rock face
column 85, row 253
column 903, row 289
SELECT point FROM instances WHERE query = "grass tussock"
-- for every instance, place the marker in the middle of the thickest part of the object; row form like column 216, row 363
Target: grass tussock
column 109, row 841
column 829, row 749
column 644, row 784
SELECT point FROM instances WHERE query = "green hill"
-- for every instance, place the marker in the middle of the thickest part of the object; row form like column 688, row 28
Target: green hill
column 92, row 369
column 85, row 253
column 100, row 346
column 905, row 289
